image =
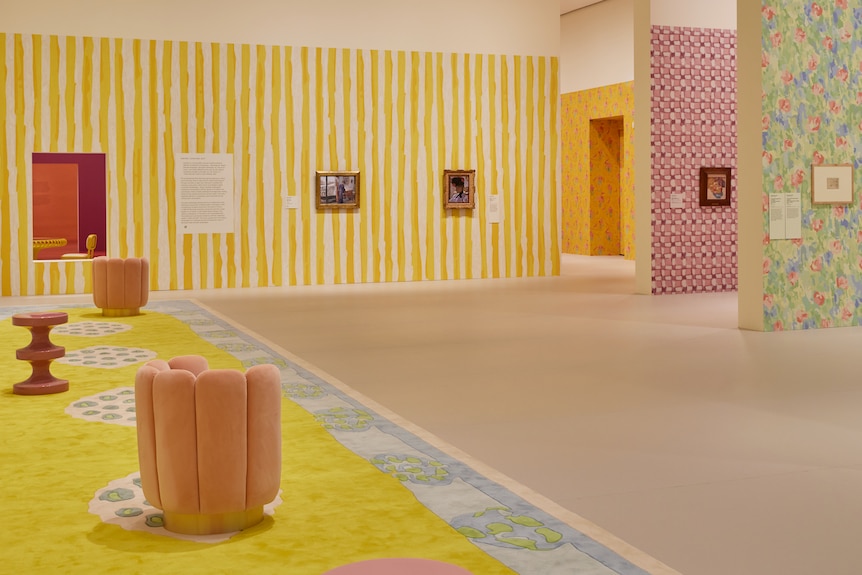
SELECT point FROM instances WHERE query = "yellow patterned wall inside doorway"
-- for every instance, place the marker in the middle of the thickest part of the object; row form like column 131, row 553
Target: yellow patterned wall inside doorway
column 581, row 218
column 605, row 175
column 398, row 117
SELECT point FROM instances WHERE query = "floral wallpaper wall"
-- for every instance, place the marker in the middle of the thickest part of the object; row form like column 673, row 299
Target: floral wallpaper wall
column 579, row 211
column 811, row 65
column 693, row 126
column 605, row 166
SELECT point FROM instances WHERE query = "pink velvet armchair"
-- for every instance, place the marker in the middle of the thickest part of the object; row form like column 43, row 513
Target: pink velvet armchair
column 209, row 443
column 121, row 285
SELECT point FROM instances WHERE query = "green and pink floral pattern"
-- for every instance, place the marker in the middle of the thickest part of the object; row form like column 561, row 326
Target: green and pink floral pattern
column 812, row 114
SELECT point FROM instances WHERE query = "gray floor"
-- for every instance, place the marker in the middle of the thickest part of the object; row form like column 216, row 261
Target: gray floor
column 716, row 451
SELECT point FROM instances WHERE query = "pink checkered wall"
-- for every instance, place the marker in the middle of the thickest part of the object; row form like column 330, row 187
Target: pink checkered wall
column 693, row 126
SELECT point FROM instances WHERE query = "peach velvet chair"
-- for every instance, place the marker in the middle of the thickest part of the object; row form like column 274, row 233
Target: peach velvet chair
column 121, row 285
column 209, row 443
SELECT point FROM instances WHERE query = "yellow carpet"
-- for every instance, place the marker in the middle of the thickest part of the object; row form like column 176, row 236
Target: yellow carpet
column 357, row 484
column 337, row 509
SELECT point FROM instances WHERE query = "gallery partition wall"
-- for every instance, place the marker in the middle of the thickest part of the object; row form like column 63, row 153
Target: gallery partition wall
column 281, row 113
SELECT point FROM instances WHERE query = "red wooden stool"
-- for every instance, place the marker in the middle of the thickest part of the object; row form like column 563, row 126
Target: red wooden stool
column 40, row 353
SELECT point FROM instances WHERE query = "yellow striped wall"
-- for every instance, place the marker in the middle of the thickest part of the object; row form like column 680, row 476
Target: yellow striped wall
column 400, row 118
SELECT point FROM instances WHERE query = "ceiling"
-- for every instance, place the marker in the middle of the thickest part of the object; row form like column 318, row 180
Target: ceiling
column 567, row 6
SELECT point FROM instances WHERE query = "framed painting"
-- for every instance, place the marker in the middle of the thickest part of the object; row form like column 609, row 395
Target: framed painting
column 832, row 184
column 459, row 189
column 715, row 186
column 337, row 190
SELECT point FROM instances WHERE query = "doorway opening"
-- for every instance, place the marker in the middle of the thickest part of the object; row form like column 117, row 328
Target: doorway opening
column 606, row 153
column 69, row 202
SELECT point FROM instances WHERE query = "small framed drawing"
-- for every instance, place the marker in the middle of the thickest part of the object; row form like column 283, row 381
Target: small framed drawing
column 832, row 184
column 337, row 190
column 459, row 189
column 715, row 186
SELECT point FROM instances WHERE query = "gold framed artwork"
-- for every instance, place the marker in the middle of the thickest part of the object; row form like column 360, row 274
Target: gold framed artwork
column 715, row 186
column 459, row 189
column 337, row 190
column 832, row 184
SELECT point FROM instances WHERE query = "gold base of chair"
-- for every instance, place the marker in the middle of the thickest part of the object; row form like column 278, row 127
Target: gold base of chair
column 193, row 524
column 121, row 312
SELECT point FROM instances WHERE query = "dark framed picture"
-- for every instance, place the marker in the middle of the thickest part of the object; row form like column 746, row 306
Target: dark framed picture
column 459, row 189
column 715, row 186
column 337, row 190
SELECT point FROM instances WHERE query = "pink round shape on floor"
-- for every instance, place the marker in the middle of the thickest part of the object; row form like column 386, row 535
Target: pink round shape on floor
column 398, row 567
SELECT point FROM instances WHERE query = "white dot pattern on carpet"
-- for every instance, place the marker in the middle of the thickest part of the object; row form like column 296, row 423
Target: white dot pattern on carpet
column 92, row 328
column 115, row 406
column 122, row 503
column 107, row 356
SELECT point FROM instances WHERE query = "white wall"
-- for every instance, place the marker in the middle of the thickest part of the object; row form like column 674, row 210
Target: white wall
column 597, row 46
column 695, row 13
column 518, row 27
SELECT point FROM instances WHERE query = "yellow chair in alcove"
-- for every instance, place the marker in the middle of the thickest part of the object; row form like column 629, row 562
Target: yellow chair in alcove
column 91, row 250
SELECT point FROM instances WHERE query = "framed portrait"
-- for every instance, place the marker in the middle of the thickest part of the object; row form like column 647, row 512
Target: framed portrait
column 459, row 189
column 832, row 184
column 337, row 190
column 715, row 186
